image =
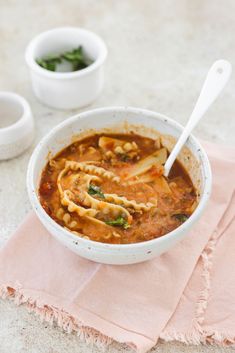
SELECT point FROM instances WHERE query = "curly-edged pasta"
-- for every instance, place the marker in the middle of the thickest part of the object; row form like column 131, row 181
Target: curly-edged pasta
column 122, row 200
column 111, row 188
column 67, row 201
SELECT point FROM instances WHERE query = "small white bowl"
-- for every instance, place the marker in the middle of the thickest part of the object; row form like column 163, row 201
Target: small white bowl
column 118, row 119
column 16, row 125
column 67, row 90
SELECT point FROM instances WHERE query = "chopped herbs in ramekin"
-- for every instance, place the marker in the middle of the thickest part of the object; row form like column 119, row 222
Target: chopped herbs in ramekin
column 75, row 58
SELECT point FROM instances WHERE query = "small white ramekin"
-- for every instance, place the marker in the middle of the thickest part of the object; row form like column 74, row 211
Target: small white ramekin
column 67, row 90
column 16, row 125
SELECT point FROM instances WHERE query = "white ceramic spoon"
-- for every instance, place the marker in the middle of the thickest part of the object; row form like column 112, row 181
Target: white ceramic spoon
column 216, row 79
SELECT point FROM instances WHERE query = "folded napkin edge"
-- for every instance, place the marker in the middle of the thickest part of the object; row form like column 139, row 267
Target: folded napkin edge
column 52, row 314
column 89, row 335
column 68, row 323
column 196, row 337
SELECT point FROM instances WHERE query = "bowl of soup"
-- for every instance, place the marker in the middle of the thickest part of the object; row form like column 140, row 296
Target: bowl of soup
column 96, row 183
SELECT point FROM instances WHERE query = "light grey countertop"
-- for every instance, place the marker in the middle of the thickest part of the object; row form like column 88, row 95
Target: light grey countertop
column 159, row 53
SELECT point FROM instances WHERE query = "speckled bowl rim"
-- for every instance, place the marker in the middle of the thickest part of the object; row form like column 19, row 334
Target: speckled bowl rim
column 44, row 217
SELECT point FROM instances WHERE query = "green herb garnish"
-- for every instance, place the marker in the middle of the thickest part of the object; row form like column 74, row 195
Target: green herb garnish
column 76, row 57
column 49, row 63
column 119, row 222
column 124, row 158
column 95, row 190
column 181, row 217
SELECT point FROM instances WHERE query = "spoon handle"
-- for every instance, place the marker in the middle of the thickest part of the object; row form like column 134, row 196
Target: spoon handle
column 216, row 79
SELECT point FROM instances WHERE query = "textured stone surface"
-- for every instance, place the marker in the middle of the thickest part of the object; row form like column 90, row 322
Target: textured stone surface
column 159, row 53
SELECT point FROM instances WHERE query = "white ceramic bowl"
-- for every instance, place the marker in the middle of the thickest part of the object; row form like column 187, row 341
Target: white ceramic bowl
column 16, row 125
column 67, row 90
column 119, row 119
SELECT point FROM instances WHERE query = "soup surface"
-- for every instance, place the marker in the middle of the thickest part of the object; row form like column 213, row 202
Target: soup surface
column 110, row 188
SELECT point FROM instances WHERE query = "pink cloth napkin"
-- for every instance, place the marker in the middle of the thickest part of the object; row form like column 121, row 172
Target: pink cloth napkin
column 187, row 294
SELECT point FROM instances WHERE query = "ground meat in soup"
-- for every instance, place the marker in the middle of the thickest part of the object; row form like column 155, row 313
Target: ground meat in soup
column 110, row 188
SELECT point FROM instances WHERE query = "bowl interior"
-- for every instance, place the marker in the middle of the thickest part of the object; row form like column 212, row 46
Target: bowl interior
column 60, row 40
column 11, row 110
column 123, row 120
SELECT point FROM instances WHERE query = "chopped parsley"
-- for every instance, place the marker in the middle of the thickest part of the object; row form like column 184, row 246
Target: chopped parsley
column 119, row 222
column 49, row 63
column 181, row 217
column 125, row 158
column 95, row 190
column 75, row 57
